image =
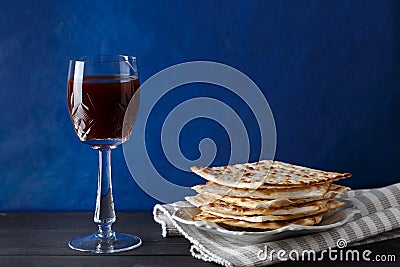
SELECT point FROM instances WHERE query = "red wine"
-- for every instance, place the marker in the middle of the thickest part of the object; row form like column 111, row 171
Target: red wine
column 97, row 105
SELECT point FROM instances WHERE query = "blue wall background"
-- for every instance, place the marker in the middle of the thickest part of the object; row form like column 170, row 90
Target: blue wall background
column 329, row 69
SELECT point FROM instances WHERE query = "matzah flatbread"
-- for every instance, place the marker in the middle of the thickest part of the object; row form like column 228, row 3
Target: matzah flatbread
column 310, row 191
column 285, row 213
column 250, row 203
column 300, row 210
column 307, row 221
column 253, row 203
column 336, row 190
column 266, row 173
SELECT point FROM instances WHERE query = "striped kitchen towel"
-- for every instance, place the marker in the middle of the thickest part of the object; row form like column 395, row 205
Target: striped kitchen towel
column 379, row 219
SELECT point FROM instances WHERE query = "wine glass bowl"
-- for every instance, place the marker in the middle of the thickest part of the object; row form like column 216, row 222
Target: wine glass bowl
column 99, row 90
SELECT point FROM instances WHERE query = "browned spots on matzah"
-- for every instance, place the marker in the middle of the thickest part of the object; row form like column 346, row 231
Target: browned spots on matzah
column 266, row 194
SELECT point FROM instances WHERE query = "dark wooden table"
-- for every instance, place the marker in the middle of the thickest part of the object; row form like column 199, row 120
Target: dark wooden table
column 40, row 239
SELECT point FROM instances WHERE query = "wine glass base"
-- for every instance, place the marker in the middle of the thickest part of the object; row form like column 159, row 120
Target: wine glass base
column 95, row 244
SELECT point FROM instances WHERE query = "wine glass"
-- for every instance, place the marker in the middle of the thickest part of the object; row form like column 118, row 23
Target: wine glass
column 98, row 93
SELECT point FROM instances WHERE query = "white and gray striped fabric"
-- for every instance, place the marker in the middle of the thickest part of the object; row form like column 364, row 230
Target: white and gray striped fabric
column 379, row 219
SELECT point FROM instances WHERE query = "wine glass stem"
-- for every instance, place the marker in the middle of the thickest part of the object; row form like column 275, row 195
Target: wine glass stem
column 104, row 215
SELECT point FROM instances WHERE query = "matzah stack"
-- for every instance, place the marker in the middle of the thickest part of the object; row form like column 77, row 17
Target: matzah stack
column 265, row 194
